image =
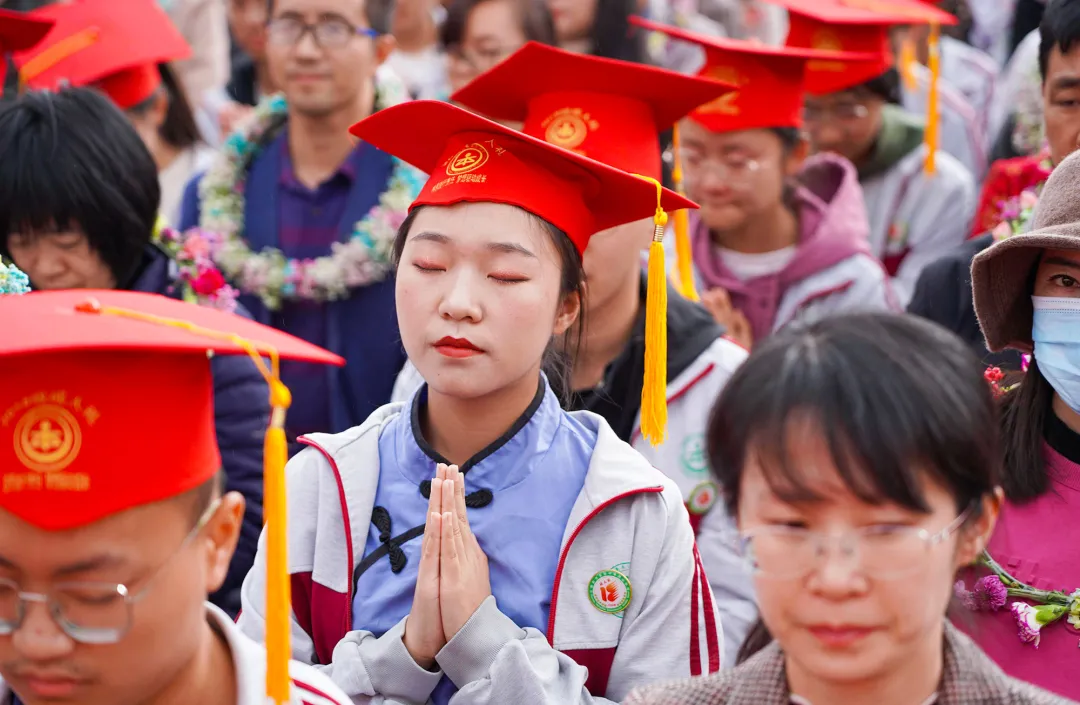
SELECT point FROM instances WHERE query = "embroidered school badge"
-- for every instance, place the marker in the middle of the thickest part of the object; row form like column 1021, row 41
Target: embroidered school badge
column 610, row 591
column 702, row 498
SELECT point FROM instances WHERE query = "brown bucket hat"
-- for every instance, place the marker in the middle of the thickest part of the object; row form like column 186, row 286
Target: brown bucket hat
column 1001, row 274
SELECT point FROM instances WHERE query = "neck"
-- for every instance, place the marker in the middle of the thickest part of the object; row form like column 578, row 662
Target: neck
column 771, row 231
column 164, row 154
column 320, row 144
column 1066, row 413
column 209, row 678
column 911, row 682
column 610, row 325
column 263, row 84
column 578, row 46
column 460, row 428
column 423, row 35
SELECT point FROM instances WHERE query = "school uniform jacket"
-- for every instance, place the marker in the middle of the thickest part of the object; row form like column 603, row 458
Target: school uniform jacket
column 309, row 687
column 969, row 678
column 973, row 74
column 626, row 512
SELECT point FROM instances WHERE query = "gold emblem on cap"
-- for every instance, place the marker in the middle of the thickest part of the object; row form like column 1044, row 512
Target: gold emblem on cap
column 469, row 158
column 826, row 40
column 567, row 131
column 725, row 105
column 727, row 74
column 47, row 438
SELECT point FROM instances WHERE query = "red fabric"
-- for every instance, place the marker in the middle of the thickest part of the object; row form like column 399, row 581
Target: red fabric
column 472, row 159
column 609, row 110
column 695, row 639
column 598, row 661
column 712, row 634
column 20, row 31
column 1008, row 178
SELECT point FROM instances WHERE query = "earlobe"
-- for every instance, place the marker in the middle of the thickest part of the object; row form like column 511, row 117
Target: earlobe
column 223, row 533
column 568, row 313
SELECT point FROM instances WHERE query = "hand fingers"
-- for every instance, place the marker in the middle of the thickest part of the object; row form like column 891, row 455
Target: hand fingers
column 459, row 501
column 435, row 501
column 718, row 299
column 449, row 558
column 429, row 551
column 441, row 471
column 449, row 500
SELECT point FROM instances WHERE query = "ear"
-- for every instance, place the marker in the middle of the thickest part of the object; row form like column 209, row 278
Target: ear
column 569, row 310
column 222, row 533
column 796, row 156
column 160, row 108
column 384, row 47
column 976, row 534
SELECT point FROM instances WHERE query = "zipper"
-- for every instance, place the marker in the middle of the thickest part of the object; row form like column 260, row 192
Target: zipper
column 570, row 542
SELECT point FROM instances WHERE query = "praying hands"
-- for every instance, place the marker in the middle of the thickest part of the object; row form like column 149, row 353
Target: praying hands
column 453, row 577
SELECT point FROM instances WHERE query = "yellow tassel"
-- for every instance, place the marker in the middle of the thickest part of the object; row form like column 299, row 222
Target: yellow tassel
column 932, row 99
column 275, row 455
column 684, row 274
column 654, row 389
column 908, row 61
column 62, row 50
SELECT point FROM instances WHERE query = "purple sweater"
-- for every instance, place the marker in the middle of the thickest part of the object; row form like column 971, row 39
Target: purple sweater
column 1037, row 543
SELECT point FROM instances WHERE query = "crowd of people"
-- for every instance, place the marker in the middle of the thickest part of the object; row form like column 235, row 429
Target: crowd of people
column 539, row 351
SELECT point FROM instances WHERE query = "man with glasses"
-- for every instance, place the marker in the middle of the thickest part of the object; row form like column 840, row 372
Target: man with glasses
column 113, row 525
column 313, row 211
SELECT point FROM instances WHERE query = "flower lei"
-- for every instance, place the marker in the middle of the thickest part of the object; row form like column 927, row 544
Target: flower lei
column 1016, row 212
column 204, row 284
column 13, row 280
column 1043, row 607
column 269, row 274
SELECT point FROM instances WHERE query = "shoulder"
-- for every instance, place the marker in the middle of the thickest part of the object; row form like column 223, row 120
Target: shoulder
column 949, row 178
column 709, row 372
column 313, row 688
column 618, row 471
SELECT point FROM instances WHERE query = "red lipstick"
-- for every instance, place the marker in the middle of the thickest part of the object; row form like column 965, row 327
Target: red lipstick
column 457, row 347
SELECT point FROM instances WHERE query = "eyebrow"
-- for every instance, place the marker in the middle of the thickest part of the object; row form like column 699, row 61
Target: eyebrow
column 500, row 247
column 105, row 560
column 1062, row 261
column 1065, row 83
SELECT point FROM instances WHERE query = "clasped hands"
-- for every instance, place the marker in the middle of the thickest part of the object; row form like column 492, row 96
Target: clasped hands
column 453, row 578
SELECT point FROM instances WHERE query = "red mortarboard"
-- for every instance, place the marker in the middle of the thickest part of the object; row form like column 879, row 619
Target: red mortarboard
column 771, row 80
column 113, row 45
column 609, row 110
column 20, row 31
column 853, row 26
column 473, row 159
column 102, row 412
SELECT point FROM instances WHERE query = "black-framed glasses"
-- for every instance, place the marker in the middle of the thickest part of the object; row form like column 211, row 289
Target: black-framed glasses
column 880, row 552
column 329, row 32
column 88, row 612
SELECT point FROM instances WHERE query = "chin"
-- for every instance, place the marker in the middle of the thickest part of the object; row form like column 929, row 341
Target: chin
column 458, row 381
column 723, row 218
column 865, row 661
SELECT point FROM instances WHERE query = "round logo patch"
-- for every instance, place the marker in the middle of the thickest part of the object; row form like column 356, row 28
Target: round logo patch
column 702, row 498
column 47, row 438
column 470, row 158
column 693, row 454
column 567, row 131
column 609, row 591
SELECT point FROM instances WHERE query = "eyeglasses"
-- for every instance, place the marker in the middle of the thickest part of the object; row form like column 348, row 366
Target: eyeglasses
column 88, row 612
column 844, row 112
column 329, row 33
column 728, row 166
column 881, row 552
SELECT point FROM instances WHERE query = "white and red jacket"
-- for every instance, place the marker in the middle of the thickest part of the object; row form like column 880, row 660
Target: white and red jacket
column 627, row 513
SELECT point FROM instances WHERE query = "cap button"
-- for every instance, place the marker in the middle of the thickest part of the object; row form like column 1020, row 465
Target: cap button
column 89, row 306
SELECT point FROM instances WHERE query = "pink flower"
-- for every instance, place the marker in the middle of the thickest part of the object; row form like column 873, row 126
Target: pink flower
column 1002, row 230
column 195, row 247
column 1028, row 199
column 208, row 282
column 990, row 593
column 1031, row 619
column 966, row 597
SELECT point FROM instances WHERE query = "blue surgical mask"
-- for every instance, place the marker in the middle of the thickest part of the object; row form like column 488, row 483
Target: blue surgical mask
column 1056, row 332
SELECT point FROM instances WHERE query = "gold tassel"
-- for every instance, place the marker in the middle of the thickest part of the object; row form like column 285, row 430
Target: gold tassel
column 908, row 61
column 684, row 262
column 932, row 99
column 275, row 455
column 53, row 55
column 654, row 389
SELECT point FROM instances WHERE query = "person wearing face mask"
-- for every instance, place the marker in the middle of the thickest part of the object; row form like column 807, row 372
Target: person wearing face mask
column 1027, row 297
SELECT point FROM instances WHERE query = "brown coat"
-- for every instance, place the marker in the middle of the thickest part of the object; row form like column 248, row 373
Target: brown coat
column 969, row 678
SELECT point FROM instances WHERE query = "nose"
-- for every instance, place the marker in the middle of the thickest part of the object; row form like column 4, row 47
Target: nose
column 306, row 47
column 461, row 302
column 837, row 574
column 39, row 638
column 826, row 137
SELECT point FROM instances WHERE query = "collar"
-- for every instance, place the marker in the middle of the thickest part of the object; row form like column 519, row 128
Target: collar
column 347, row 170
column 900, row 135
column 502, row 463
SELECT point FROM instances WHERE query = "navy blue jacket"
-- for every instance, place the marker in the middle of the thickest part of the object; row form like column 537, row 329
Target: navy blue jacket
column 363, row 328
column 241, row 415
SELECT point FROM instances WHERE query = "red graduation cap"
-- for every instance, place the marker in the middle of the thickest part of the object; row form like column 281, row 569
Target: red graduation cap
column 472, row 159
column 853, row 26
column 609, row 110
column 20, row 31
column 113, row 45
column 770, row 79
column 106, row 405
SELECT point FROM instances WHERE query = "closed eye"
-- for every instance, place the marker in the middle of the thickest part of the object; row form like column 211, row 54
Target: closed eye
column 427, row 267
column 508, row 278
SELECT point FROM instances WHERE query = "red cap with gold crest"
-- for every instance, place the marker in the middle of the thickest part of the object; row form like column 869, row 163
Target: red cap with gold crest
column 471, row 159
column 111, row 45
column 20, row 31
column 771, row 80
column 853, row 26
column 104, row 408
column 609, row 110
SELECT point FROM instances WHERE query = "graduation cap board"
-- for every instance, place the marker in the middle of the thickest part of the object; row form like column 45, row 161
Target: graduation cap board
column 471, row 159
column 19, row 31
column 112, row 45
column 100, row 385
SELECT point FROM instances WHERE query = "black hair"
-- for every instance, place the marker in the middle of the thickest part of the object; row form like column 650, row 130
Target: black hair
column 790, row 137
column 894, row 396
column 1060, row 27
column 72, row 160
column 379, row 13
column 1025, row 410
column 533, row 15
column 611, row 35
column 886, row 86
column 559, row 359
column 961, row 10
column 179, row 128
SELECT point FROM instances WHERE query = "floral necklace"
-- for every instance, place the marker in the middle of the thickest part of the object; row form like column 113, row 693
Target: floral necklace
column 13, row 280
column 269, row 274
column 1042, row 607
column 1016, row 212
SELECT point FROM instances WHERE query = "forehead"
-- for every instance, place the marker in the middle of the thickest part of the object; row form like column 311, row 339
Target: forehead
column 468, row 224
column 491, row 18
column 1060, row 258
column 352, row 9
column 756, row 140
column 1063, row 64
